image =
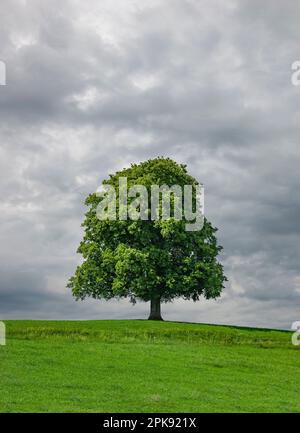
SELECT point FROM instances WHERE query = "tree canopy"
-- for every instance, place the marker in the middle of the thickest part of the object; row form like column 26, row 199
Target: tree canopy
column 143, row 259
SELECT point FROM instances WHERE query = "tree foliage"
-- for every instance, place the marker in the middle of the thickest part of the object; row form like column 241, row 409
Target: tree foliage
column 145, row 259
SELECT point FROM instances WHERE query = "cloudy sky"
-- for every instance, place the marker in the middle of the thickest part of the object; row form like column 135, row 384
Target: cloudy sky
column 93, row 86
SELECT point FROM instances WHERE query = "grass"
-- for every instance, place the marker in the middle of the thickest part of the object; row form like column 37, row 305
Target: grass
column 142, row 366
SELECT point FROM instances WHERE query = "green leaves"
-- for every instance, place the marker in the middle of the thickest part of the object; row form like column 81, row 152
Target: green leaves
column 143, row 259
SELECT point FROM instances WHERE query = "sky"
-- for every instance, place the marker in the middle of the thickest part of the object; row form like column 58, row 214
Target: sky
column 97, row 85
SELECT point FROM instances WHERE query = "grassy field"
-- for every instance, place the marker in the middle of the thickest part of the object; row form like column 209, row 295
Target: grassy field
column 141, row 366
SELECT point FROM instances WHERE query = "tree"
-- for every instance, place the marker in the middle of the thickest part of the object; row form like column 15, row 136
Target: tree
column 143, row 259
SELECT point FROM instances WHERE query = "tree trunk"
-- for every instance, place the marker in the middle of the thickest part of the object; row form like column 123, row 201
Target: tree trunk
column 155, row 310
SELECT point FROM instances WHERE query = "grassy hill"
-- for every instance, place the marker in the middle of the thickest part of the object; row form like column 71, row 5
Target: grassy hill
column 142, row 366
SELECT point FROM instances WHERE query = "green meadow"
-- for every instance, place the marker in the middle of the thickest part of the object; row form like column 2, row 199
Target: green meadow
column 146, row 366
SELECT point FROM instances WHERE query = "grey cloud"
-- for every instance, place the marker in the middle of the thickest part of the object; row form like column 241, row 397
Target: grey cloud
column 93, row 87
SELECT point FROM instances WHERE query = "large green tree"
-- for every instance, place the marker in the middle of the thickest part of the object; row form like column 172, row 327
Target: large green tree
column 149, row 260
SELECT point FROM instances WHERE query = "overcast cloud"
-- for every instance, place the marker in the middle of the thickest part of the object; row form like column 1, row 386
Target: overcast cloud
column 93, row 86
